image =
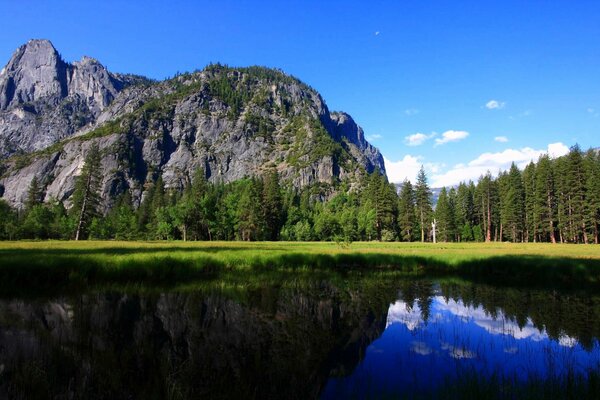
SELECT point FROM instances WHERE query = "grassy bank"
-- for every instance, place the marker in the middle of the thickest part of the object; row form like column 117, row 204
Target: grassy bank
column 51, row 264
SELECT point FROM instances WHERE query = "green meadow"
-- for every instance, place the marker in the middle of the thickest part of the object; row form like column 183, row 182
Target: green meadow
column 37, row 265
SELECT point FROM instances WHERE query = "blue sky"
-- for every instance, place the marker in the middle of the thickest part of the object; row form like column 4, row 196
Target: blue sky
column 400, row 68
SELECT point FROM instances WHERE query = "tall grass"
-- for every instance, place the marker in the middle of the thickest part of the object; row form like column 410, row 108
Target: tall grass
column 48, row 265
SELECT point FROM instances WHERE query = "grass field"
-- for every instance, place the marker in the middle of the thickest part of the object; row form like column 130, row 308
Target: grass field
column 91, row 262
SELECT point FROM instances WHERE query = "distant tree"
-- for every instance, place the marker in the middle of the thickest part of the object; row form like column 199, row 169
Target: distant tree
column 34, row 194
column 545, row 199
column 272, row 205
column 86, row 197
column 444, row 215
column 592, row 187
column 406, row 212
column 512, row 203
column 8, row 221
column 423, row 202
column 531, row 222
column 487, row 195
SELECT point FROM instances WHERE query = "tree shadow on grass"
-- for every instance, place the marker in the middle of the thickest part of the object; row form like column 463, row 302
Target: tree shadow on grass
column 42, row 270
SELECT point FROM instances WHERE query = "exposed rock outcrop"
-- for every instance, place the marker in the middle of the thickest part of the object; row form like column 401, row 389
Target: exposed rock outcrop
column 230, row 122
column 44, row 99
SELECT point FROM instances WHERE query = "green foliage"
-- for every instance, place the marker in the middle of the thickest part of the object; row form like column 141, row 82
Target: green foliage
column 423, row 204
column 86, row 197
column 539, row 204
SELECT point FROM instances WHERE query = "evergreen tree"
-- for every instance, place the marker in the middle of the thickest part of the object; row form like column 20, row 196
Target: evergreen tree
column 406, row 212
column 423, row 203
column 486, row 198
column 272, row 205
column 531, row 217
column 574, row 196
column 86, row 197
column 250, row 221
column 444, row 215
column 34, row 194
column 592, row 203
column 513, row 203
column 545, row 208
column 452, row 228
column 465, row 211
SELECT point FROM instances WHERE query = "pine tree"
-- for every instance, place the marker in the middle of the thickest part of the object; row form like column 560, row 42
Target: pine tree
column 465, row 211
column 272, row 205
column 34, row 194
column 452, row 228
column 444, row 215
column 406, row 212
column 545, row 199
column 531, row 217
column 487, row 197
column 592, row 203
column 513, row 203
column 86, row 197
column 423, row 202
column 574, row 196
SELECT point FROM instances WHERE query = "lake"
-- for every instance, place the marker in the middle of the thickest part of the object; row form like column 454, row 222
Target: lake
column 353, row 335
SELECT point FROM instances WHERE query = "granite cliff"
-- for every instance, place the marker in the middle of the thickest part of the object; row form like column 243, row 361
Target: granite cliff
column 230, row 122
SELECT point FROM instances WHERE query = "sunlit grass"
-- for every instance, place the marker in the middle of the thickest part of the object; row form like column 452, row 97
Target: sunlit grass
column 52, row 263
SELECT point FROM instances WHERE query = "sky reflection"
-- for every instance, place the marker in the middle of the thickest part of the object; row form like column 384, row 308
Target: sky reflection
column 458, row 340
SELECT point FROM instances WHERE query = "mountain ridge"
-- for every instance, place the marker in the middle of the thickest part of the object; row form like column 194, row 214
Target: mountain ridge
column 230, row 122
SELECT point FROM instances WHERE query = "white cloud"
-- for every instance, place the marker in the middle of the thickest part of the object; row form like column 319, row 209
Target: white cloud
column 590, row 110
column 501, row 139
column 494, row 162
column 376, row 33
column 451, row 136
column 408, row 168
column 494, row 105
column 374, row 137
column 417, row 139
column 411, row 111
column 557, row 149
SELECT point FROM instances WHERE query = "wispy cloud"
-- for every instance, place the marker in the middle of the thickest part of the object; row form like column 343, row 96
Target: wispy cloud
column 376, row 33
column 592, row 111
column 501, row 139
column 374, row 137
column 495, row 105
column 411, row 111
column 451, row 136
column 417, row 139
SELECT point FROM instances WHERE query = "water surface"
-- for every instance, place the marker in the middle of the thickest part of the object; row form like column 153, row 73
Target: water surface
column 361, row 336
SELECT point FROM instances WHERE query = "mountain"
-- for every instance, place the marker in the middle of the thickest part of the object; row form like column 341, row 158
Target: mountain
column 231, row 122
column 44, row 99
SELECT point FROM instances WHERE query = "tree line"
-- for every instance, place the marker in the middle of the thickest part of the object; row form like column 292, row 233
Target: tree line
column 552, row 200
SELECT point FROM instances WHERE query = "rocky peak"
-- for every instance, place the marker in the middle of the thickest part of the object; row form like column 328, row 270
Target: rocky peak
column 345, row 127
column 35, row 71
column 44, row 99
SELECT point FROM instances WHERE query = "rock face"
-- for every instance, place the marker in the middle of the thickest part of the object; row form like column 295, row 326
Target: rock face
column 230, row 122
column 44, row 99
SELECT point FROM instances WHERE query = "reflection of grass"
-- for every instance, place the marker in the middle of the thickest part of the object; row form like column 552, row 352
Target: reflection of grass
column 51, row 264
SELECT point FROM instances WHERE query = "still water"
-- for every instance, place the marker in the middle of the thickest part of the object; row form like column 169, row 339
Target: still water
column 349, row 337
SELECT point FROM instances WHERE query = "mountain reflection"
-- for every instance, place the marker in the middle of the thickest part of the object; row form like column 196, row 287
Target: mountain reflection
column 365, row 336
